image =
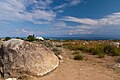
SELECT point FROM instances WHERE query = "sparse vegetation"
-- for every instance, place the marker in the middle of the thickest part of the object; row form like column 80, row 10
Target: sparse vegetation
column 18, row 38
column 95, row 48
column 75, row 53
column 31, row 38
column 78, row 57
column 101, row 55
column 7, row 38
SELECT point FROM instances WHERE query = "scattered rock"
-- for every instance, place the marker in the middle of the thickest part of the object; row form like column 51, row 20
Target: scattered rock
column 11, row 79
column 60, row 57
column 62, row 61
column 117, row 65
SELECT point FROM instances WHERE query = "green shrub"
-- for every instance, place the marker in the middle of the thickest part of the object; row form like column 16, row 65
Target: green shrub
column 108, row 49
column 31, row 38
column 91, row 50
column 101, row 49
column 7, row 38
column 116, row 52
column 77, row 47
column 18, row 38
column 78, row 57
column 101, row 55
column 112, row 50
column 75, row 53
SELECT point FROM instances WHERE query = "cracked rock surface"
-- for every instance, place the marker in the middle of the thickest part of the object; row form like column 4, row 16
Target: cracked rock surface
column 19, row 57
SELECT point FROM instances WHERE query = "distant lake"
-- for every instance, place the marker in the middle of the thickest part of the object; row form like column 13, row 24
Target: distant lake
column 83, row 38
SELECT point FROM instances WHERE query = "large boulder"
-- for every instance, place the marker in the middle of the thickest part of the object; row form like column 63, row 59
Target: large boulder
column 19, row 57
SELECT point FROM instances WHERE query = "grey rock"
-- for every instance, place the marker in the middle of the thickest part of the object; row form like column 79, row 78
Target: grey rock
column 60, row 57
column 19, row 57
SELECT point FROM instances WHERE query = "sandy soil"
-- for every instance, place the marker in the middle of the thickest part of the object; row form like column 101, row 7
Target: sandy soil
column 91, row 68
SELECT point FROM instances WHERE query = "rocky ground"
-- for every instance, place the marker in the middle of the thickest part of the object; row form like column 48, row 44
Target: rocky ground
column 91, row 68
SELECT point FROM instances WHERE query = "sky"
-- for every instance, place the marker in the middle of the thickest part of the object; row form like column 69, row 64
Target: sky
column 59, row 18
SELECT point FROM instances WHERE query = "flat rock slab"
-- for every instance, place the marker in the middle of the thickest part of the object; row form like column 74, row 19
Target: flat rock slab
column 19, row 57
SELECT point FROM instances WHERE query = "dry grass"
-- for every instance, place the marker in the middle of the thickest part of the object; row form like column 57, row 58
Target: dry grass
column 100, row 48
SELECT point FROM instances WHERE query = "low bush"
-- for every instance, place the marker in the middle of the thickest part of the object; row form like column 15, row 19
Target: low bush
column 101, row 49
column 78, row 57
column 101, row 55
column 116, row 52
column 75, row 53
column 7, row 38
column 31, row 38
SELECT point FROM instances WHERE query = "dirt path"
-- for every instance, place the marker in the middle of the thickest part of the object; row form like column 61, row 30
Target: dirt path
column 70, row 69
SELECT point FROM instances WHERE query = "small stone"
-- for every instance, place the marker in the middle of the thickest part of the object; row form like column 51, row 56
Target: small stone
column 119, row 65
column 60, row 57
column 61, row 61
column 11, row 79
column 67, row 59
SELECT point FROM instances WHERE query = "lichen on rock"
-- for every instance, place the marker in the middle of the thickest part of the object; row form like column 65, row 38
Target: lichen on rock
column 20, row 57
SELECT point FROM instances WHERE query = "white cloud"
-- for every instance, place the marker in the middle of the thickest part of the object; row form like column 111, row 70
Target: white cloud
column 45, row 15
column 41, row 22
column 38, row 4
column 61, row 6
column 81, row 20
column 23, row 31
column 79, row 31
column 63, row 28
column 27, row 32
column 60, row 24
column 68, row 4
column 89, row 25
column 15, row 10
column 113, row 19
column 40, row 12
column 75, row 2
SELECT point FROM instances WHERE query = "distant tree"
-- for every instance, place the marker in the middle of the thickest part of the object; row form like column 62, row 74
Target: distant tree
column 18, row 38
column 31, row 38
column 7, row 38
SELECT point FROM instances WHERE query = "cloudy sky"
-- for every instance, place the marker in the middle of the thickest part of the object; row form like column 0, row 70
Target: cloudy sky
column 59, row 17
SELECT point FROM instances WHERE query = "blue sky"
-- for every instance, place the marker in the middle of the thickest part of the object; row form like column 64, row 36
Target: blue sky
column 59, row 17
